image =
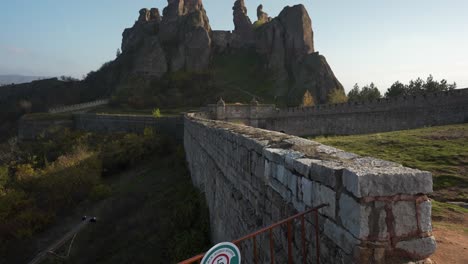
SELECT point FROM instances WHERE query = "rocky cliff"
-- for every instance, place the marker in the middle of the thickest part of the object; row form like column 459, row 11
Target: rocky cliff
column 182, row 40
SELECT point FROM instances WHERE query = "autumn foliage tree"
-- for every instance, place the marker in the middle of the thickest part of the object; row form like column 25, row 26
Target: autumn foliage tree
column 308, row 99
column 337, row 97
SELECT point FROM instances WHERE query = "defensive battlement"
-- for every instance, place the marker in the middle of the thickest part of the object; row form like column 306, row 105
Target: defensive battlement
column 430, row 109
column 423, row 100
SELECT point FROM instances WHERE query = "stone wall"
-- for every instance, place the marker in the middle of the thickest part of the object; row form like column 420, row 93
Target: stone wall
column 352, row 118
column 377, row 212
column 30, row 129
column 173, row 126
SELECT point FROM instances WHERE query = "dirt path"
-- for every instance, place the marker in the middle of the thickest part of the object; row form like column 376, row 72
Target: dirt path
column 452, row 244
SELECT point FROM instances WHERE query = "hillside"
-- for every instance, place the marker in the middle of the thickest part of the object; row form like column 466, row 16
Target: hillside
column 18, row 79
column 136, row 185
column 154, row 216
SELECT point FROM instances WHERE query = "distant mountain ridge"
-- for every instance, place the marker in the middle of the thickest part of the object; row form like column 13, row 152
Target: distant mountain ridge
column 18, row 79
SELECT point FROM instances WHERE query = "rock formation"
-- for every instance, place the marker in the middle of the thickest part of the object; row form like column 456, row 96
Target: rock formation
column 182, row 39
column 243, row 34
column 287, row 44
column 262, row 16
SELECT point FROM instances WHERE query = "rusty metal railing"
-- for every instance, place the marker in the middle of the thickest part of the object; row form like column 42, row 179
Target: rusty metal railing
column 288, row 222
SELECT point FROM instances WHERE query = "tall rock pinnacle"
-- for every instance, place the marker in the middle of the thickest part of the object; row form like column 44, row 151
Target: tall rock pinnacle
column 241, row 20
column 243, row 28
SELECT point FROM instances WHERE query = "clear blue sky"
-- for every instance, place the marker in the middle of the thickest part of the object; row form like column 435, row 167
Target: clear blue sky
column 363, row 40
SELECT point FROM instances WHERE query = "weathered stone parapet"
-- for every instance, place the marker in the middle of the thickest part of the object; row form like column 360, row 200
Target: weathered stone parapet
column 431, row 109
column 377, row 210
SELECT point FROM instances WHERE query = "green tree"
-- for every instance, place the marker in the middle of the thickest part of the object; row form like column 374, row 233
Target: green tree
column 367, row 93
column 419, row 86
column 432, row 85
column 370, row 92
column 355, row 93
column 396, row 90
column 308, row 99
column 416, row 86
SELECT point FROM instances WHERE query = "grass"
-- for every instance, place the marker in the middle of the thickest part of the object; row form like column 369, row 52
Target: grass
column 441, row 150
column 439, row 209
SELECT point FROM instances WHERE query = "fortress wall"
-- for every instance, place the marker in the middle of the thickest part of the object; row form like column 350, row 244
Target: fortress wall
column 172, row 126
column 352, row 118
column 253, row 178
column 30, row 129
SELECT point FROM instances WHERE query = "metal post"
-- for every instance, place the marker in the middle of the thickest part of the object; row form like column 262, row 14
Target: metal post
column 317, row 239
column 255, row 249
column 272, row 249
column 290, row 260
column 304, row 249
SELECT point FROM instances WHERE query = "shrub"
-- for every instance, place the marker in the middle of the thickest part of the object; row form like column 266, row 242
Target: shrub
column 61, row 187
column 120, row 153
column 258, row 23
column 148, row 132
column 157, row 113
column 19, row 216
column 3, row 178
column 24, row 172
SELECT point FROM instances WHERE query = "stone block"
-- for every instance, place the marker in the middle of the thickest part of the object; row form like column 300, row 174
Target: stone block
column 270, row 171
column 298, row 205
column 324, row 171
column 343, row 155
column 291, row 181
column 350, row 215
column 258, row 164
column 301, row 166
column 324, row 195
column 301, row 142
column 280, row 174
column 281, row 190
column 275, row 155
column 364, row 221
column 306, row 189
column 291, row 157
column 405, row 222
column 372, row 177
column 419, row 248
column 425, row 212
column 340, row 236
